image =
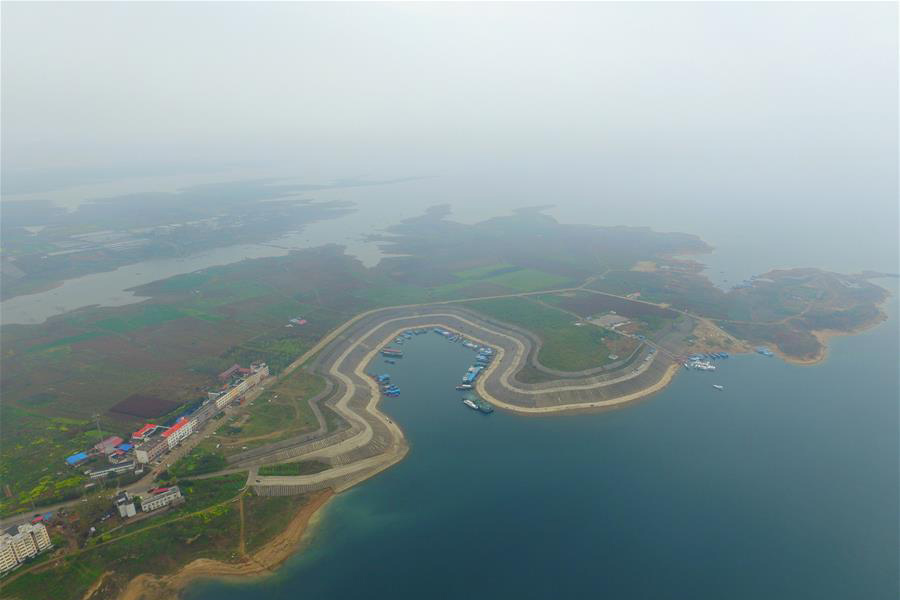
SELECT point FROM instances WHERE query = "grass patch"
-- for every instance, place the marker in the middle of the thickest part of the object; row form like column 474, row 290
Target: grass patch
column 307, row 467
column 66, row 341
column 565, row 347
column 153, row 314
column 199, row 461
column 485, row 271
column 278, row 413
column 265, row 517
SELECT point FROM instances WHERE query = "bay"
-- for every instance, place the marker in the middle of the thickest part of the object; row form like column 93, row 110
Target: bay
column 784, row 485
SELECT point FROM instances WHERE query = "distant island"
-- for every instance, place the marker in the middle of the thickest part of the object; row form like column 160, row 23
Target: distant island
column 559, row 317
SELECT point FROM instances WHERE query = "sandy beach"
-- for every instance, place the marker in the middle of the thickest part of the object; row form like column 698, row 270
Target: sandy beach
column 261, row 563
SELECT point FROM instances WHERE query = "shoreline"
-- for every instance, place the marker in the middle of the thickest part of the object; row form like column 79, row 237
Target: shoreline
column 271, row 556
column 262, row 563
column 823, row 336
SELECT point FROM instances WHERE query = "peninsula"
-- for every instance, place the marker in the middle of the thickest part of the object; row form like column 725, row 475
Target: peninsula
column 577, row 318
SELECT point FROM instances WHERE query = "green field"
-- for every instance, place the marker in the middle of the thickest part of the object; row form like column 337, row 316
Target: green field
column 565, row 347
column 277, row 414
column 190, row 327
column 208, row 525
column 295, row 468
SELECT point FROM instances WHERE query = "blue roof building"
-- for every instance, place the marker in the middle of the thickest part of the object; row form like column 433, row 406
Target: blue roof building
column 76, row 458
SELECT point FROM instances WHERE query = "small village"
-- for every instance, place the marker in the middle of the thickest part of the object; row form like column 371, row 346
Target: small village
column 129, row 461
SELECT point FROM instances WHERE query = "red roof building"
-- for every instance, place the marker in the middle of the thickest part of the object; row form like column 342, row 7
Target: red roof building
column 235, row 368
column 109, row 444
column 143, row 431
column 178, row 425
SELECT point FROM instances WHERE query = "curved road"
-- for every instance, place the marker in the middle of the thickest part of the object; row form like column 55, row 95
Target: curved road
column 373, row 442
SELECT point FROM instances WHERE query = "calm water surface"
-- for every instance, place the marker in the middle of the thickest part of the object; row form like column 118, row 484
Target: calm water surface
column 785, row 485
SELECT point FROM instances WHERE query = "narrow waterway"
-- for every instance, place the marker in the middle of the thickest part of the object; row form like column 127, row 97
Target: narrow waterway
column 784, row 485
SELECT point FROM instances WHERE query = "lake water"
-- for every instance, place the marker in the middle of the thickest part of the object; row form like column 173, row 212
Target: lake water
column 785, row 485
column 776, row 230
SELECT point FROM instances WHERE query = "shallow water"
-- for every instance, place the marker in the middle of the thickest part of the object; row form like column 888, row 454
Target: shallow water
column 785, row 485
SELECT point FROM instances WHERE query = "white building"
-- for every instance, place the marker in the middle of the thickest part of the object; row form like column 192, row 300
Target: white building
column 21, row 543
column 125, row 504
column 162, row 498
column 178, row 432
column 123, row 468
column 38, row 533
column 257, row 374
column 151, row 449
column 8, row 558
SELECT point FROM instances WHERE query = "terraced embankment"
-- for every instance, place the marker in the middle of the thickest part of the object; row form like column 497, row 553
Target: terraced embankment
column 367, row 441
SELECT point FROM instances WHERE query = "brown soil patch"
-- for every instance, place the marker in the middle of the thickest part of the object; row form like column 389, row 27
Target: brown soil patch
column 143, row 405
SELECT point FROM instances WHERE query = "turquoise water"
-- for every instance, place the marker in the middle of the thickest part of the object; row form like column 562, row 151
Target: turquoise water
column 785, row 485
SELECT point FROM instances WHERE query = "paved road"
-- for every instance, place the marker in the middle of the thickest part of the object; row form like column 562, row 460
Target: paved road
column 367, row 424
column 352, row 347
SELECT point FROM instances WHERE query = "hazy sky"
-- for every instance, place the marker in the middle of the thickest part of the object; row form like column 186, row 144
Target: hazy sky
column 767, row 126
column 407, row 88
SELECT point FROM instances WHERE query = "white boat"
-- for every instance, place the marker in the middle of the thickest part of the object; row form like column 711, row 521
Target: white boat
column 470, row 404
column 718, row 387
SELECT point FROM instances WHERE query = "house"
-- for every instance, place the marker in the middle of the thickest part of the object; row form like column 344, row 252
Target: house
column 125, row 503
column 108, row 445
column 76, row 459
column 233, row 369
column 122, row 468
column 162, row 497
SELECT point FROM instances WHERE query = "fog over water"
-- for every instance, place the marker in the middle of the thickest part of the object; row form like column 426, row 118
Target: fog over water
column 768, row 129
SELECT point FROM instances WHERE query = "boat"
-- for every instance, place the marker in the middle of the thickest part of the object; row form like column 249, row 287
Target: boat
column 464, row 386
column 484, row 406
column 392, row 352
column 470, row 404
column 718, row 387
column 391, row 361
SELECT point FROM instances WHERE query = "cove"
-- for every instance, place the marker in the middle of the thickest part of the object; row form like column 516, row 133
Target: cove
column 782, row 486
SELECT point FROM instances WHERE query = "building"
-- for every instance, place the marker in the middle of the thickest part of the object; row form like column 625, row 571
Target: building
column 162, row 497
column 258, row 372
column 125, row 504
column 205, row 413
column 20, row 543
column 7, row 554
column 108, row 445
column 224, row 376
column 76, row 459
column 151, row 449
column 38, row 533
column 23, row 545
column 177, row 432
column 144, row 432
column 123, row 468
